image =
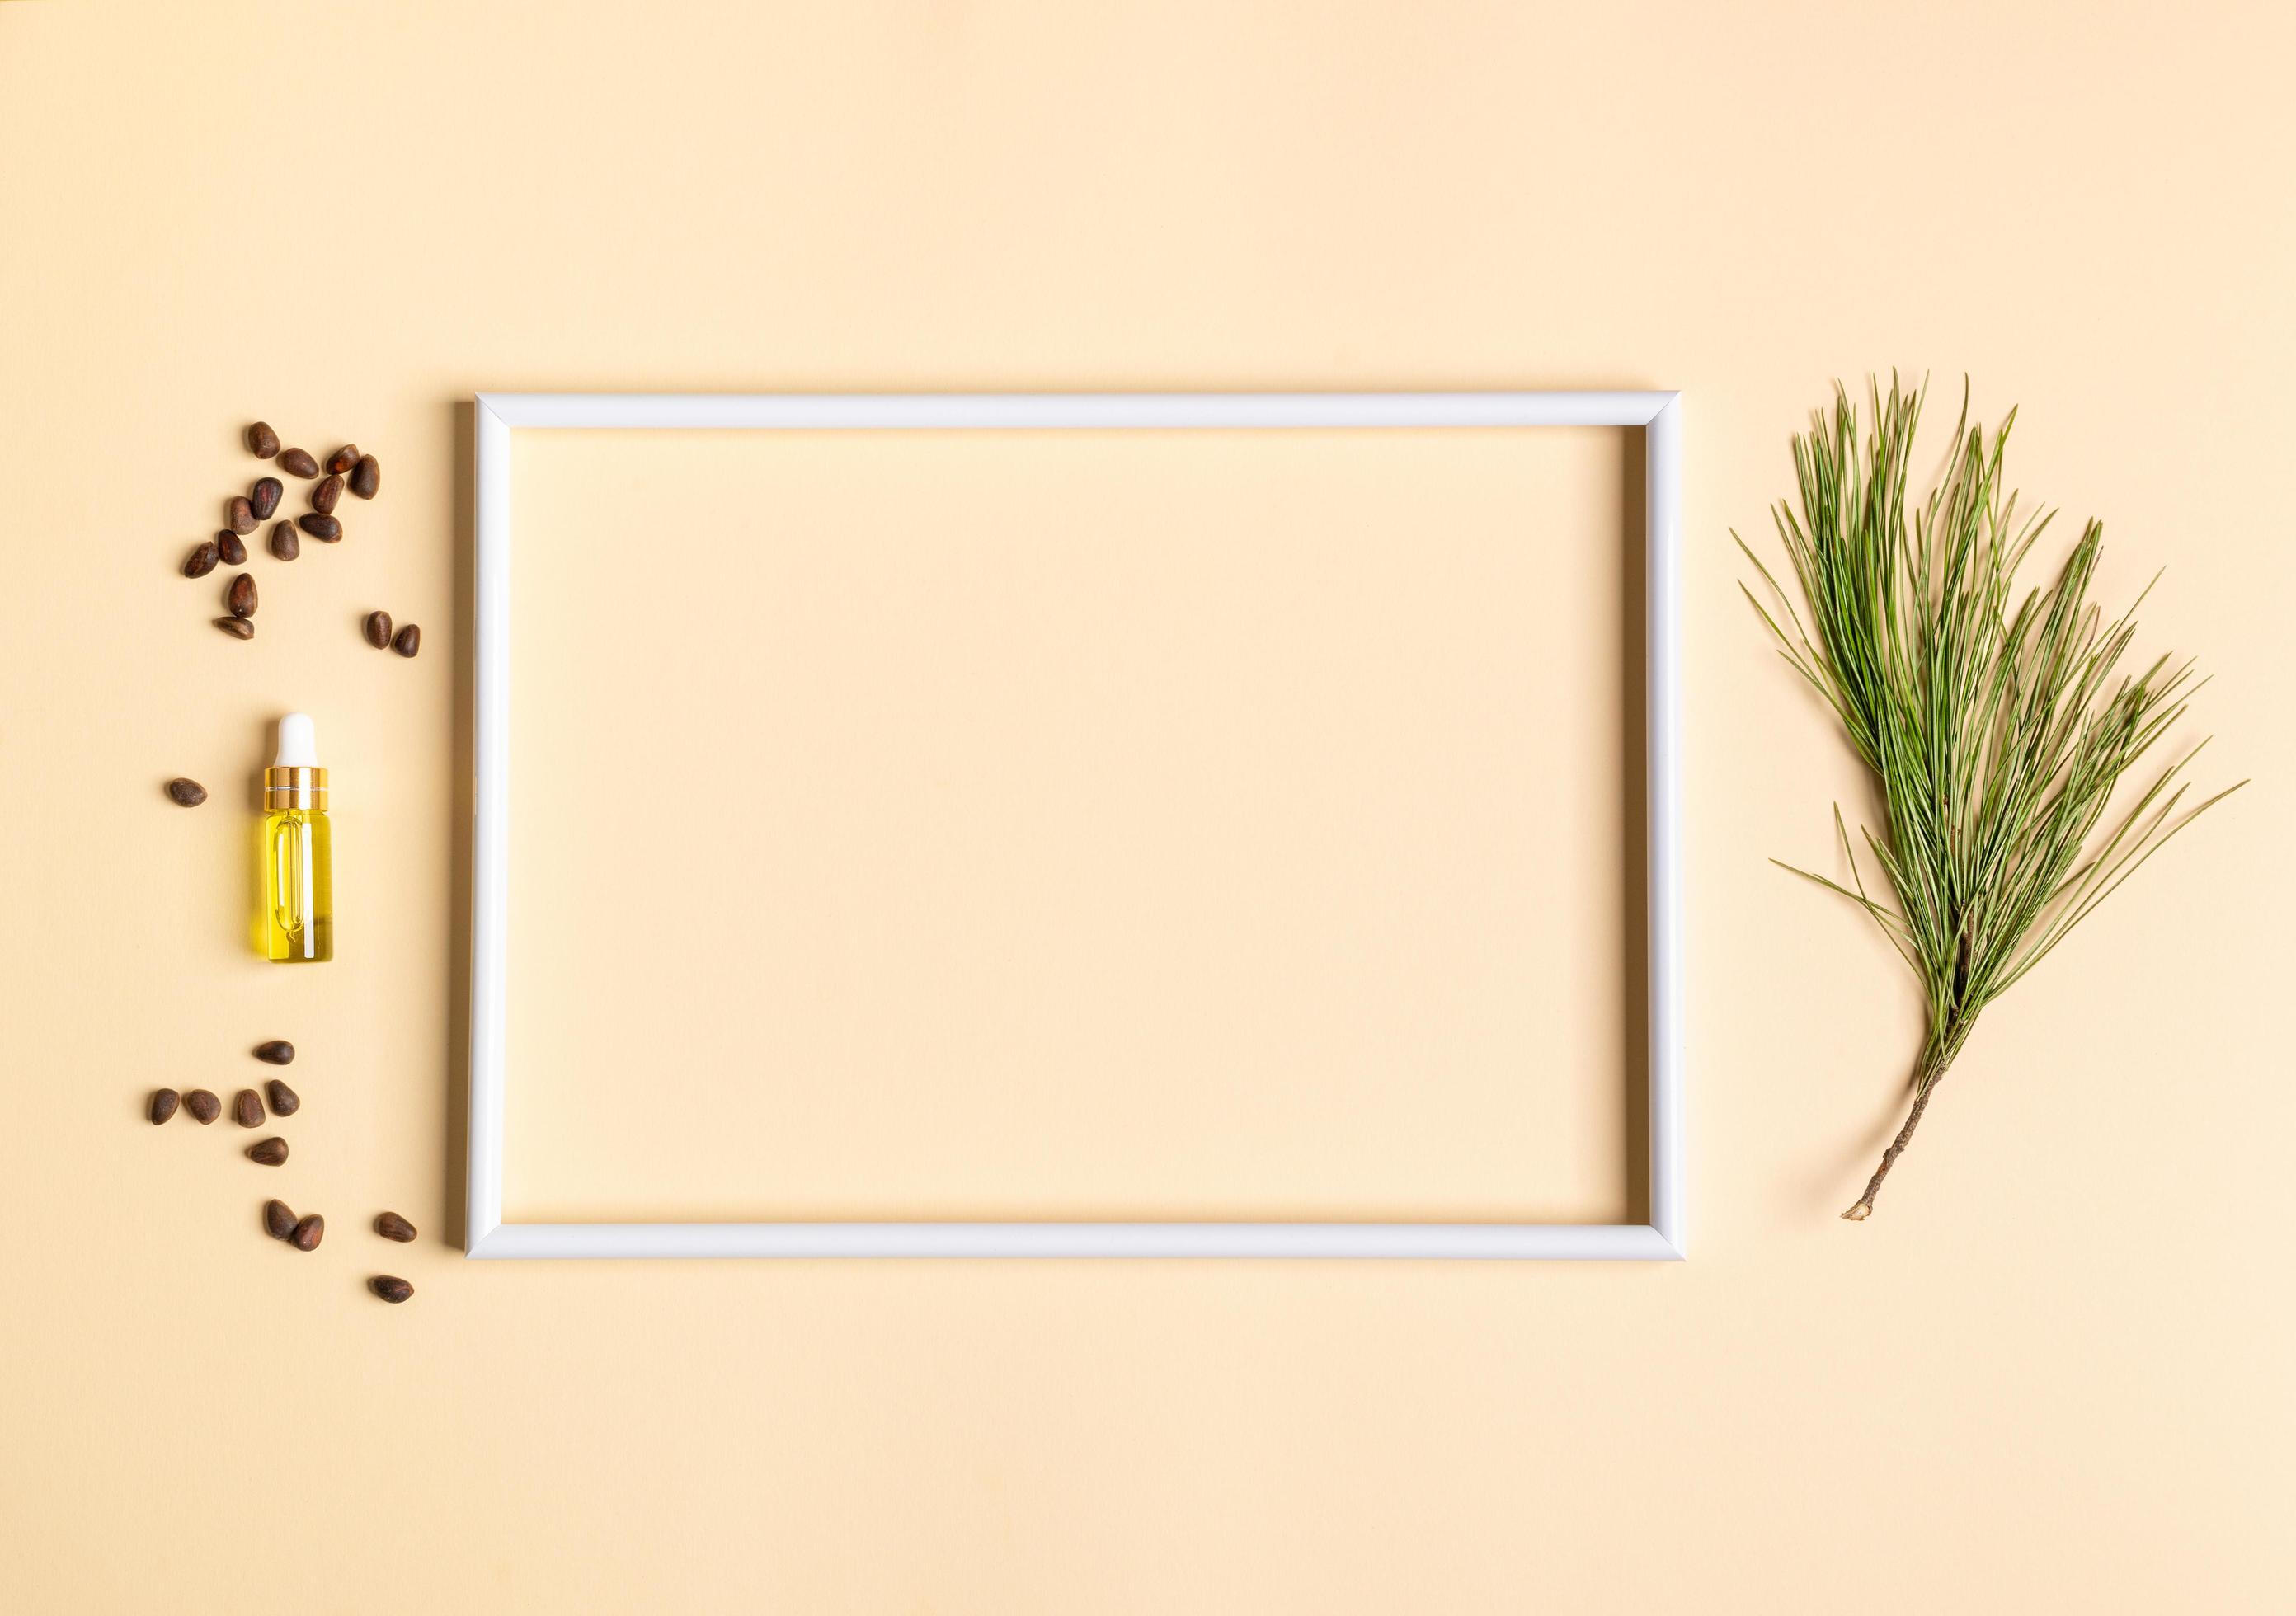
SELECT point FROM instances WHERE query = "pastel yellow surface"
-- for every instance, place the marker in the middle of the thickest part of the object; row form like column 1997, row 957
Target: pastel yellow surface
column 1070, row 825
column 2051, row 1374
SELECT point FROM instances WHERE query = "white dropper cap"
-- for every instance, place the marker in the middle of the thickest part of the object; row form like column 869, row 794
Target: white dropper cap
column 298, row 748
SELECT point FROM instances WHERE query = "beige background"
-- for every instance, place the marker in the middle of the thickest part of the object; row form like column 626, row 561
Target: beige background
column 1083, row 825
column 2051, row 1374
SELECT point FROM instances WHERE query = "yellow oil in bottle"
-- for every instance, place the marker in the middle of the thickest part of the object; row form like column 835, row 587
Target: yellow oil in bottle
column 296, row 853
column 298, row 885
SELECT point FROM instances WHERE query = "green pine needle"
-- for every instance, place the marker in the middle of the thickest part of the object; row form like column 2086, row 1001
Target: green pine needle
column 1998, row 724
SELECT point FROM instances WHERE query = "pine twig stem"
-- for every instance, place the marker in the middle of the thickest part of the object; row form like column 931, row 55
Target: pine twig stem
column 1935, row 1058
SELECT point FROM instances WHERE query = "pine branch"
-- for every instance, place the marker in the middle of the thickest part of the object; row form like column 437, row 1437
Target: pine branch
column 1999, row 726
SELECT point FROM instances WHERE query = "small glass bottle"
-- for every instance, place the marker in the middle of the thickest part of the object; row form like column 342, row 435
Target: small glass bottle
column 298, row 877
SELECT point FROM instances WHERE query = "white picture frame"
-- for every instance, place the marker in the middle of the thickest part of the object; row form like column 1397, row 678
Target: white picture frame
column 499, row 414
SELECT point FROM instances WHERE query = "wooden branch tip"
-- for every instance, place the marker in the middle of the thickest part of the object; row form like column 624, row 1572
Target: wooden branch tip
column 1926, row 1078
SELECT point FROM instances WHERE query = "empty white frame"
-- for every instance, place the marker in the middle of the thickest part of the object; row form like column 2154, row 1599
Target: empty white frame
column 498, row 414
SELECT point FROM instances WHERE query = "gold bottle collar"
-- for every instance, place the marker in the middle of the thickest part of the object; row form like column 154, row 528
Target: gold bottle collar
column 293, row 788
